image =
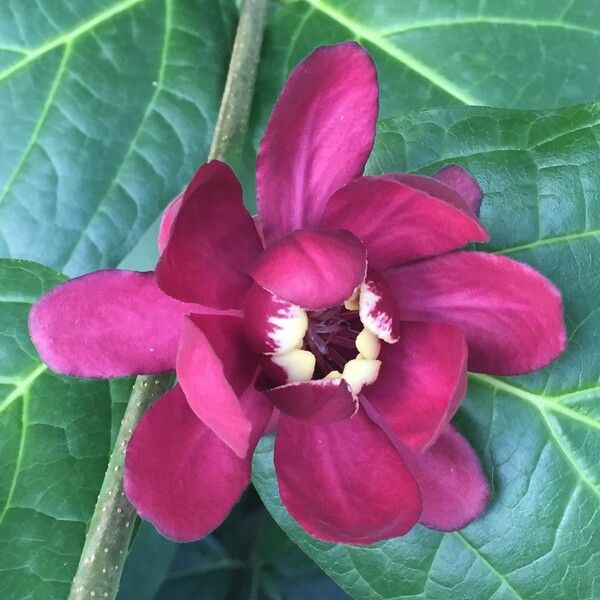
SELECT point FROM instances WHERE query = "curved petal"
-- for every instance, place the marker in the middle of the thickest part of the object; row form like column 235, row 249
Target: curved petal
column 107, row 324
column 213, row 242
column 315, row 402
column 166, row 222
column 345, row 482
column 436, row 189
column 178, row 474
column 512, row 315
column 421, row 383
column 453, row 486
column 213, row 376
column 464, row 183
column 313, row 269
column 377, row 309
column 399, row 222
column 272, row 324
column 318, row 139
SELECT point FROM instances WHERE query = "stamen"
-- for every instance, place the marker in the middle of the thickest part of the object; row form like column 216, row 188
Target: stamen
column 299, row 365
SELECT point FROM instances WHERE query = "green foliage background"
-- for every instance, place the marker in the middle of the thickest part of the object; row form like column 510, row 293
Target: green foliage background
column 106, row 109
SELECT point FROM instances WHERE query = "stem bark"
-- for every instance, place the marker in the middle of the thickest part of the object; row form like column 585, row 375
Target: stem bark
column 109, row 534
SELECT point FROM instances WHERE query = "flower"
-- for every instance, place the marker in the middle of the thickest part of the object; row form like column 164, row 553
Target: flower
column 346, row 305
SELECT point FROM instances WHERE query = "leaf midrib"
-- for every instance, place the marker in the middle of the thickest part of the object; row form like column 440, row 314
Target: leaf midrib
column 542, row 23
column 69, row 36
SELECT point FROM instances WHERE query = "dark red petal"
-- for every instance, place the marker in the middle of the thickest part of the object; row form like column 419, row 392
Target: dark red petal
column 166, row 222
column 377, row 308
column 436, row 189
column 421, row 383
column 315, row 402
column 272, row 324
column 318, row 138
column 345, row 482
column 453, row 486
column 464, row 183
column 313, row 269
column 213, row 378
column 399, row 222
column 512, row 316
column 213, row 242
column 107, row 324
column 225, row 334
column 179, row 475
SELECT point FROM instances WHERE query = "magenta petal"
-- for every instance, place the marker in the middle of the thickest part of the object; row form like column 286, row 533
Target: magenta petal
column 225, row 334
column 272, row 324
column 166, row 223
column 315, row 402
column 212, row 244
column 318, row 138
column 398, row 221
column 208, row 379
column 313, row 269
column 377, row 308
column 345, row 482
column 512, row 316
column 107, row 324
column 178, row 474
column 453, row 486
column 421, row 383
column 464, row 183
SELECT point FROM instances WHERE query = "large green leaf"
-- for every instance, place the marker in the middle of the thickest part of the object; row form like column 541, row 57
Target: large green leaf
column 434, row 53
column 54, row 445
column 106, row 109
column 538, row 435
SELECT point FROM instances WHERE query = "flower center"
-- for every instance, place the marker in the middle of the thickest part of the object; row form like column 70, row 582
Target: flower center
column 331, row 337
column 335, row 344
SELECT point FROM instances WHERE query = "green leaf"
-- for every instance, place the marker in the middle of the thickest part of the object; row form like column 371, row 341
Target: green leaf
column 147, row 564
column 526, row 54
column 537, row 435
column 106, row 109
column 54, row 445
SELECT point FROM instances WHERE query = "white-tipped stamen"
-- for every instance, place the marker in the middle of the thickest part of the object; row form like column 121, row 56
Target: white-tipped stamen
column 368, row 344
column 299, row 365
column 333, row 375
column 352, row 302
column 361, row 372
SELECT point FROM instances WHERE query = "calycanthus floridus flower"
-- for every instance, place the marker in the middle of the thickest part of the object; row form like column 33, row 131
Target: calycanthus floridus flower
column 343, row 317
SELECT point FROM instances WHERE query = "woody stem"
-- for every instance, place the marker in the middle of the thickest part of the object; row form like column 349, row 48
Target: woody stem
column 109, row 534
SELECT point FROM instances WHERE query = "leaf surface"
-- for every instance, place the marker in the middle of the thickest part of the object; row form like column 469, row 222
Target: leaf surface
column 106, row 109
column 54, row 445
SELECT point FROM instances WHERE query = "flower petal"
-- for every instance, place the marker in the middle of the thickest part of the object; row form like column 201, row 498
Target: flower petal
column 464, row 183
column 399, row 222
column 377, row 309
column 319, row 137
column 179, row 475
column 214, row 367
column 344, row 482
column 315, row 402
column 272, row 324
column 107, row 324
column 453, row 486
column 166, row 222
column 421, row 383
column 313, row 269
column 212, row 244
column 512, row 315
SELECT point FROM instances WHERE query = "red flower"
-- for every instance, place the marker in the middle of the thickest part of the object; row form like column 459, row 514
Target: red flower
column 345, row 305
